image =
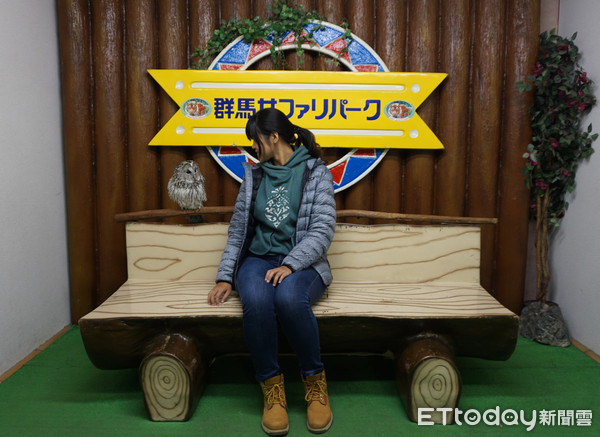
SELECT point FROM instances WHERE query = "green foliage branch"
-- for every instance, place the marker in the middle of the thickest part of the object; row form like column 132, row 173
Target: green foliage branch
column 562, row 97
column 282, row 16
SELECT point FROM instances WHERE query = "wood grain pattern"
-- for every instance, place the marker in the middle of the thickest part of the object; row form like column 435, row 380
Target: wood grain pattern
column 172, row 54
column 405, row 254
column 422, row 51
column 185, row 299
column 390, row 19
column 76, row 72
column 428, row 378
column 513, row 195
column 383, row 253
column 204, row 17
column 171, row 376
column 387, row 271
column 360, row 15
column 109, row 142
column 143, row 182
column 454, row 98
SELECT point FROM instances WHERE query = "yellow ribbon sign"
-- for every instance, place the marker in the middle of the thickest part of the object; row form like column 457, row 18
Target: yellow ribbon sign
column 343, row 109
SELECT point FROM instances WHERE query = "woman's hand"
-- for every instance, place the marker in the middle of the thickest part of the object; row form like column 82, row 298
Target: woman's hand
column 275, row 276
column 219, row 293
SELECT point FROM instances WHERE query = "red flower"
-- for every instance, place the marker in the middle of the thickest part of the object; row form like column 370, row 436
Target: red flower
column 565, row 173
column 541, row 185
column 537, row 69
column 554, row 143
column 581, row 106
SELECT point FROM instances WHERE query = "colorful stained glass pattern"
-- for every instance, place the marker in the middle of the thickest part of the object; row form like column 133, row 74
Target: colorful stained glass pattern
column 360, row 57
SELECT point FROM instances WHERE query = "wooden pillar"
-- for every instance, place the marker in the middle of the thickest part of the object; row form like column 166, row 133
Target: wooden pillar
column 428, row 378
column 486, row 118
column 110, row 142
column 172, row 54
column 74, row 30
column 361, row 19
column 513, row 212
column 239, row 9
column 172, row 376
column 422, row 45
column 450, row 175
column 204, row 18
column 390, row 20
column 334, row 12
column 259, row 9
column 307, row 57
column 142, row 106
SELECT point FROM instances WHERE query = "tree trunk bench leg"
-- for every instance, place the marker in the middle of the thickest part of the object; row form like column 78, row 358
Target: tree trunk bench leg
column 428, row 378
column 171, row 376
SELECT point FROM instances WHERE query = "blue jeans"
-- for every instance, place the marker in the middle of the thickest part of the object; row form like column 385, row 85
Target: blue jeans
column 290, row 303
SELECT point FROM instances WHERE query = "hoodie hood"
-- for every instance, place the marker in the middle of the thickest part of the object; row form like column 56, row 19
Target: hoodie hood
column 280, row 174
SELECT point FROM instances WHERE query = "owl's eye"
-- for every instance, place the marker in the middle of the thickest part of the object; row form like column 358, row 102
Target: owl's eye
column 188, row 171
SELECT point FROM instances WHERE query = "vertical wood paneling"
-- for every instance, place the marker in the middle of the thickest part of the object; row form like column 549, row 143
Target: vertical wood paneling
column 112, row 109
column 486, row 119
column 260, row 9
column 204, row 17
column 308, row 59
column 110, row 137
column 422, row 56
column 173, row 54
column 390, row 21
column 361, row 17
column 522, row 32
column 74, row 33
column 239, row 9
column 142, row 106
column 450, row 175
column 334, row 12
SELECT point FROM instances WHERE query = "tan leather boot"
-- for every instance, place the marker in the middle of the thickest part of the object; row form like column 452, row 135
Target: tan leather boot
column 275, row 418
column 318, row 413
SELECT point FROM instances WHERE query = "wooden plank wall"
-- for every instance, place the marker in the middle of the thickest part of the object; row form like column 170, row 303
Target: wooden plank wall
column 112, row 108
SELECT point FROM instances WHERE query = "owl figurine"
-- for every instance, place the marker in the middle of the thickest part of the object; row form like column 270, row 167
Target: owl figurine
column 186, row 186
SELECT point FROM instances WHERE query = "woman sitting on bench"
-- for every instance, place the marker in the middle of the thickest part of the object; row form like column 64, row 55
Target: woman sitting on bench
column 276, row 258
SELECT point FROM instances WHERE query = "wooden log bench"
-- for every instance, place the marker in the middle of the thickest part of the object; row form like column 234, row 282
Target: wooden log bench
column 412, row 290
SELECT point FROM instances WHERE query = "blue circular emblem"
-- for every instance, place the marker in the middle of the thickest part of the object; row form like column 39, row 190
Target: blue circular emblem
column 239, row 55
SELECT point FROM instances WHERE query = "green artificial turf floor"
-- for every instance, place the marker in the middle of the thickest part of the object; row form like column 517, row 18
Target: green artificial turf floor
column 60, row 393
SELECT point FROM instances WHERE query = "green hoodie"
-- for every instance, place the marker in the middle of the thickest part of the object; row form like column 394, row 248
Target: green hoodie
column 277, row 203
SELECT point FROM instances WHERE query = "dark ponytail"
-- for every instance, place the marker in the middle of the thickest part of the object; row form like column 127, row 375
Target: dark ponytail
column 269, row 120
column 307, row 139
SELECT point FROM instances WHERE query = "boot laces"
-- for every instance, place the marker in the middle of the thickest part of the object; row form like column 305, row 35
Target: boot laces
column 316, row 391
column 275, row 394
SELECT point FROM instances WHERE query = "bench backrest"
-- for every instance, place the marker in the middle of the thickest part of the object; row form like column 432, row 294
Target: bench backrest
column 380, row 253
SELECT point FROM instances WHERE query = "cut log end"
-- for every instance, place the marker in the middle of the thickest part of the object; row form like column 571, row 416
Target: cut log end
column 166, row 387
column 428, row 378
column 435, row 384
column 170, row 377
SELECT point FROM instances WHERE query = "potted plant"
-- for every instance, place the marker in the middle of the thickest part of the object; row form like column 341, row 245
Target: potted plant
column 563, row 96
